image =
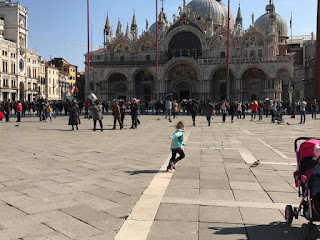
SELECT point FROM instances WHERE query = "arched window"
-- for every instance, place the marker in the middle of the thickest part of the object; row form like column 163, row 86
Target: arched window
column 252, row 53
column 222, row 55
column 148, row 57
column 122, row 59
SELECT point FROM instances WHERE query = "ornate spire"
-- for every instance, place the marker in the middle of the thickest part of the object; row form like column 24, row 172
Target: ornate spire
column 107, row 26
column 239, row 17
column 119, row 32
column 127, row 32
column 134, row 21
column 134, row 27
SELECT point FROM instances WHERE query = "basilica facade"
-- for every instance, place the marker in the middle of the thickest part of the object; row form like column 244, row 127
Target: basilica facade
column 193, row 57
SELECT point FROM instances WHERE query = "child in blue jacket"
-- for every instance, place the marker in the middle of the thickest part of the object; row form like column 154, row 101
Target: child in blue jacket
column 176, row 145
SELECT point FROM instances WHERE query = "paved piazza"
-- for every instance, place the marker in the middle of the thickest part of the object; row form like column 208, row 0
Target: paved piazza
column 58, row 184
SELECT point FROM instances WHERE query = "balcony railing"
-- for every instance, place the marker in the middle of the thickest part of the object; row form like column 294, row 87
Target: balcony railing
column 245, row 59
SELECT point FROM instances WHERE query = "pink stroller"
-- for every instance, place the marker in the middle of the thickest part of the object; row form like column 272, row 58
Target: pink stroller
column 308, row 185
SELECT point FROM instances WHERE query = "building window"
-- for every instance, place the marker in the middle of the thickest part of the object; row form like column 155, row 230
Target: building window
column 148, row 57
column 260, row 52
column 122, row 59
column 222, row 55
column 29, row 85
column 5, row 66
column 252, row 53
column 13, row 83
column 5, row 83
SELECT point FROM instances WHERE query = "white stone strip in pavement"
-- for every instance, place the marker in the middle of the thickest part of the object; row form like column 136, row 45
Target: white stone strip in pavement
column 247, row 155
column 248, row 132
column 223, row 203
column 140, row 220
column 273, row 149
column 235, row 140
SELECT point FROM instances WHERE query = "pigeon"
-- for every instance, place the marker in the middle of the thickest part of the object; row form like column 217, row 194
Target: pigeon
column 158, row 119
column 288, row 123
column 256, row 163
column 17, row 125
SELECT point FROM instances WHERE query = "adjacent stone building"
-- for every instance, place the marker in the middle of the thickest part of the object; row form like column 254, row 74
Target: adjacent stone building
column 192, row 57
column 18, row 64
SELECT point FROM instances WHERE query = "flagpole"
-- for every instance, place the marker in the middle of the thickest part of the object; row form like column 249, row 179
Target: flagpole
column 157, row 40
column 88, row 21
column 291, row 29
column 228, row 54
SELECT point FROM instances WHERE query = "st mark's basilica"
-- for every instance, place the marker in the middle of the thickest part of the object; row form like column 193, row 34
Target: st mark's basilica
column 192, row 57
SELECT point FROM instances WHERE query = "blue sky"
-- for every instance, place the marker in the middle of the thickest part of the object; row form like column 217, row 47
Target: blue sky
column 55, row 25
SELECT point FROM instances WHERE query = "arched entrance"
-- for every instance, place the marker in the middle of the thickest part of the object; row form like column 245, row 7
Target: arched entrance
column 219, row 84
column 118, row 86
column 185, row 44
column 181, row 78
column 254, row 80
column 143, row 85
column 183, row 91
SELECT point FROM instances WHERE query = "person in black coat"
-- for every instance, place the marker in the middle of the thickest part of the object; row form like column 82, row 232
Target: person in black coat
column 232, row 110
column 134, row 114
column 194, row 109
column 74, row 119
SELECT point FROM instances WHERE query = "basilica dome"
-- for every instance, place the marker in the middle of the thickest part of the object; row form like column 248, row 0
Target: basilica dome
column 202, row 8
column 263, row 23
column 218, row 9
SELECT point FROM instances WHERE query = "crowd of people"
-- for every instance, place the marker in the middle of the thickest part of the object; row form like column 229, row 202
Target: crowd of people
column 46, row 109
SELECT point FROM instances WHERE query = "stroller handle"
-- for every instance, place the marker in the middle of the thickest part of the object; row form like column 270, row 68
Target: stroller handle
column 302, row 138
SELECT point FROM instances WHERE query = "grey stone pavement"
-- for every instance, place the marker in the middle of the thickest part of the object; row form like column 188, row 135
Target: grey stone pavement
column 58, row 184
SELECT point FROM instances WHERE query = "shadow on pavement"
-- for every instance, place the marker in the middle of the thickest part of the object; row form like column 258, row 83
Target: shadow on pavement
column 144, row 171
column 275, row 230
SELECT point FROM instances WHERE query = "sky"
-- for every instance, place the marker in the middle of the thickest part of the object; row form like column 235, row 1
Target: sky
column 58, row 28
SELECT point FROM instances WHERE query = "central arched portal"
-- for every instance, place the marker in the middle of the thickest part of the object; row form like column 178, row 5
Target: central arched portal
column 181, row 81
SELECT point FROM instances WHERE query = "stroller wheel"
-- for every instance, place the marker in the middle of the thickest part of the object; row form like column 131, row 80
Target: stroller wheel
column 289, row 214
column 309, row 231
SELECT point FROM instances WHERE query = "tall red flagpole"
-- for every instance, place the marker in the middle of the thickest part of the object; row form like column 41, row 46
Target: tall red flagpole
column 317, row 73
column 228, row 54
column 88, row 20
column 157, row 36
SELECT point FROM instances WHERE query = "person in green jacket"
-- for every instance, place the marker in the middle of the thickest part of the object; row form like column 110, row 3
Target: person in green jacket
column 176, row 145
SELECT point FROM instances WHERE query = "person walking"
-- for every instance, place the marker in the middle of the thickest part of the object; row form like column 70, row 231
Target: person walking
column 134, row 113
column 116, row 114
column 74, row 119
column 18, row 111
column 209, row 111
column 194, row 111
column 96, row 111
column 176, row 146
column 232, row 110
column 254, row 108
column 123, row 107
column 6, row 110
column 223, row 108
column 168, row 106
column 302, row 107
column 314, row 108
column 48, row 112
column 260, row 109
column 174, row 109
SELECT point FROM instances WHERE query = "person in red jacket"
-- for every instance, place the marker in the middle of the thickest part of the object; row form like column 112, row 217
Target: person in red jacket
column 19, row 110
column 254, row 109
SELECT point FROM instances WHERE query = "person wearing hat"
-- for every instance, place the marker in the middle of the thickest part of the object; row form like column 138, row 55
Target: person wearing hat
column 96, row 111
